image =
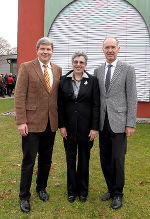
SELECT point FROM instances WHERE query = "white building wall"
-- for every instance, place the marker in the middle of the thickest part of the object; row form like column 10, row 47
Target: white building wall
column 83, row 25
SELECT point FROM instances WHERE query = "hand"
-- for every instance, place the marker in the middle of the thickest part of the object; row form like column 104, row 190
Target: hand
column 63, row 133
column 129, row 131
column 23, row 129
column 92, row 135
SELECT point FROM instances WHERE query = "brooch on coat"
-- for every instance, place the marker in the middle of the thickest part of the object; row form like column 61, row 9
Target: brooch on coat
column 85, row 83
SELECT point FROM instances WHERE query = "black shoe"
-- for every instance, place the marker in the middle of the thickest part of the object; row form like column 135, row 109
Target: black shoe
column 106, row 196
column 71, row 198
column 82, row 198
column 43, row 195
column 117, row 202
column 25, row 205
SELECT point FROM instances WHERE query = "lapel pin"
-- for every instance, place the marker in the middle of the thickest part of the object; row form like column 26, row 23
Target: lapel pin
column 85, row 82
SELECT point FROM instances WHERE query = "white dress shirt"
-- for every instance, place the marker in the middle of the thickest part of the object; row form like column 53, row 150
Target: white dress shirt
column 49, row 69
column 112, row 68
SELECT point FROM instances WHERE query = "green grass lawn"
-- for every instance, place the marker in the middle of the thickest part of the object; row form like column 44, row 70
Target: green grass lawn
column 136, row 202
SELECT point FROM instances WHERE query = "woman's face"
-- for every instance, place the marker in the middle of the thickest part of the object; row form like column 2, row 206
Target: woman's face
column 79, row 64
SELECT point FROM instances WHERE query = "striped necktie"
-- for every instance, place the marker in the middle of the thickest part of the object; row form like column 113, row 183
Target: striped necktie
column 108, row 76
column 47, row 79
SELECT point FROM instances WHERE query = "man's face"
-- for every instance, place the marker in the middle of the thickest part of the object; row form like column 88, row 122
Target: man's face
column 111, row 49
column 44, row 53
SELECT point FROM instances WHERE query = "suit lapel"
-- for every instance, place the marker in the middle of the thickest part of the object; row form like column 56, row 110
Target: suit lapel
column 115, row 75
column 83, row 86
column 102, row 77
column 39, row 72
column 41, row 76
column 54, row 76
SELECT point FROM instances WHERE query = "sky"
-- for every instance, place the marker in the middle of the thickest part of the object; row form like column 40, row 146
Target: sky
column 9, row 21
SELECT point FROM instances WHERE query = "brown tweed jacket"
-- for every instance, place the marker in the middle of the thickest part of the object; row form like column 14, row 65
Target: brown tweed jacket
column 33, row 103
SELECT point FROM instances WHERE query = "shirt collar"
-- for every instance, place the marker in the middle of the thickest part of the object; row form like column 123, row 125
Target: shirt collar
column 71, row 75
column 48, row 65
column 113, row 63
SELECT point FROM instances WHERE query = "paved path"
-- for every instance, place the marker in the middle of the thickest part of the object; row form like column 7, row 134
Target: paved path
column 6, row 97
column 143, row 120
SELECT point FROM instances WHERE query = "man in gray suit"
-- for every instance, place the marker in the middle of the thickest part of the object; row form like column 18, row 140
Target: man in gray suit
column 117, row 83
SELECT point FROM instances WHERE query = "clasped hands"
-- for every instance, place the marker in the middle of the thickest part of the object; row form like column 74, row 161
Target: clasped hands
column 92, row 134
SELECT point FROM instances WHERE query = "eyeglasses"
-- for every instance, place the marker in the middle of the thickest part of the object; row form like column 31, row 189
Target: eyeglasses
column 80, row 62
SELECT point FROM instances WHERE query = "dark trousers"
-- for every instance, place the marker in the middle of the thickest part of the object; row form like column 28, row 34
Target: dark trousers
column 77, row 178
column 9, row 89
column 33, row 143
column 112, row 155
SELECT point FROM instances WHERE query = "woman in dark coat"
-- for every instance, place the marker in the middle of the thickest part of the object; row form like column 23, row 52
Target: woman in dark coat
column 78, row 110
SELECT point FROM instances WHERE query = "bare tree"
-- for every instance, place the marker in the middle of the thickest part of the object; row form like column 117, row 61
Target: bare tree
column 5, row 47
column 13, row 50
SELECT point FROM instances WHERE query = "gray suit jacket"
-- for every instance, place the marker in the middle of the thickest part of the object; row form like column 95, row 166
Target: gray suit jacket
column 121, row 99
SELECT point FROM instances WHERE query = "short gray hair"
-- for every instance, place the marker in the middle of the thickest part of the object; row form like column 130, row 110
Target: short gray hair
column 44, row 40
column 110, row 37
column 77, row 54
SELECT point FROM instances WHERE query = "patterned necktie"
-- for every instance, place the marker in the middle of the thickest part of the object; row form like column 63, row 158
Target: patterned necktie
column 108, row 76
column 47, row 79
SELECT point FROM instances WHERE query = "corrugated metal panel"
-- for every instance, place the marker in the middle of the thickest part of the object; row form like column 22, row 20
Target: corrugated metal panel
column 84, row 24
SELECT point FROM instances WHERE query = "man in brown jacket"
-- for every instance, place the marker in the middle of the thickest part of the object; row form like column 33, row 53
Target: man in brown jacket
column 36, row 116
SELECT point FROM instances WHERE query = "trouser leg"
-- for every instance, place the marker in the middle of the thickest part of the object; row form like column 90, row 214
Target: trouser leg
column 112, row 155
column 30, row 149
column 118, row 161
column 71, row 153
column 105, row 158
column 45, row 157
column 83, row 167
column 8, row 89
